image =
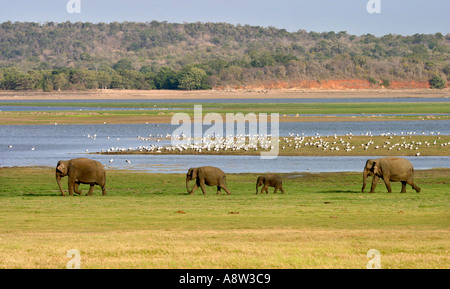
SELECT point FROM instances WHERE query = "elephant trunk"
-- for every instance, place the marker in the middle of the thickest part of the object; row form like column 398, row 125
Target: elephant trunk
column 58, row 180
column 257, row 186
column 366, row 172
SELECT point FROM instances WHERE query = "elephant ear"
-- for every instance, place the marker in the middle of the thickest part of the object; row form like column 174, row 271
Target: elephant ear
column 369, row 164
column 62, row 168
column 376, row 168
column 194, row 173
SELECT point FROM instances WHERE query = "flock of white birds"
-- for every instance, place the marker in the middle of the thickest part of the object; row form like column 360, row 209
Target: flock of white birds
column 245, row 143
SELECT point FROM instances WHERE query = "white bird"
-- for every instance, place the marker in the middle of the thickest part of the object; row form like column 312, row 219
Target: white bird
column 111, row 160
column 33, row 149
column 128, row 161
column 10, row 146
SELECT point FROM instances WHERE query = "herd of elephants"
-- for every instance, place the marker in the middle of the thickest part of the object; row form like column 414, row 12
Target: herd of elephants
column 91, row 172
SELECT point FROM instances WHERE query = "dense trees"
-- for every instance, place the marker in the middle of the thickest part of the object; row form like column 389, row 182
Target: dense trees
column 161, row 55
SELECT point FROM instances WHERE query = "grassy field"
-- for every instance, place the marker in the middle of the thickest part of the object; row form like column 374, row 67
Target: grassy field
column 135, row 113
column 149, row 221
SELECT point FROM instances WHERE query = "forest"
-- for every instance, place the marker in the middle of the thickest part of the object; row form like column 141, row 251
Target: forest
column 160, row 55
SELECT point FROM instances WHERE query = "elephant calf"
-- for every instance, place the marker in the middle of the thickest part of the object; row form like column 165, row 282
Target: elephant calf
column 81, row 171
column 269, row 181
column 390, row 169
column 210, row 176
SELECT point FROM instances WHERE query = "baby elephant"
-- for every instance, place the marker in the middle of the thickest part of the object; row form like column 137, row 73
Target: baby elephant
column 210, row 176
column 269, row 181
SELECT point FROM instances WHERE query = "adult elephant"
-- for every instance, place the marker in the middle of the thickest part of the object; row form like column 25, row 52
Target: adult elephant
column 270, row 180
column 81, row 171
column 390, row 169
column 210, row 176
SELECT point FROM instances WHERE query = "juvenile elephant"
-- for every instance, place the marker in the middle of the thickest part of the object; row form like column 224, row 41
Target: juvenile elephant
column 390, row 169
column 81, row 171
column 269, row 181
column 210, row 176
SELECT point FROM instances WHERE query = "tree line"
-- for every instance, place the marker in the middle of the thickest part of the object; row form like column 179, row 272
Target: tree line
column 188, row 78
column 161, row 55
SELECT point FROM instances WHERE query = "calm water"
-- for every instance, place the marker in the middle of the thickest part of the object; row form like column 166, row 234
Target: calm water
column 44, row 145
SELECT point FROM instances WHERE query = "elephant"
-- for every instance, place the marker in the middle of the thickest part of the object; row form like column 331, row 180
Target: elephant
column 390, row 169
column 269, row 181
column 210, row 176
column 81, row 171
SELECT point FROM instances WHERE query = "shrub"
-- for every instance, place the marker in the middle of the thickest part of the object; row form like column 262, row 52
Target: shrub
column 372, row 80
column 437, row 82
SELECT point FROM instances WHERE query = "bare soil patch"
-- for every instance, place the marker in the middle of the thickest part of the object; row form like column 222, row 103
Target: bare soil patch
column 247, row 93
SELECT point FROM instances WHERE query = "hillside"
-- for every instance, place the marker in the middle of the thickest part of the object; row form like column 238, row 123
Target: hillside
column 161, row 55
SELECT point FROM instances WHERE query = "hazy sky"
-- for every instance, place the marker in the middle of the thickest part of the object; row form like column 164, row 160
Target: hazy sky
column 406, row 17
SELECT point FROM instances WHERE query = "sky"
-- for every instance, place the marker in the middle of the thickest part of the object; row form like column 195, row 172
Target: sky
column 358, row 17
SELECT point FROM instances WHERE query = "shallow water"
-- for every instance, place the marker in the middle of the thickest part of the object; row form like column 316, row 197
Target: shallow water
column 44, row 145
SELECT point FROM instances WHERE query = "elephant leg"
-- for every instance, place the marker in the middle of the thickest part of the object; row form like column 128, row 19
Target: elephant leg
column 103, row 190
column 91, row 189
column 413, row 185
column 403, row 187
column 265, row 189
column 202, row 186
column 276, row 190
column 374, row 183
column 218, row 190
column 388, row 185
column 71, row 184
column 76, row 188
column 281, row 189
column 193, row 189
column 225, row 189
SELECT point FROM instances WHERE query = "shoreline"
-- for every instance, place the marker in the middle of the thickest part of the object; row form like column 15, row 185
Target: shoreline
column 224, row 94
column 53, row 118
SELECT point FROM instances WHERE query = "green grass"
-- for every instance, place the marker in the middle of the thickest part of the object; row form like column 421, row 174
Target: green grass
column 364, row 111
column 149, row 221
column 282, row 108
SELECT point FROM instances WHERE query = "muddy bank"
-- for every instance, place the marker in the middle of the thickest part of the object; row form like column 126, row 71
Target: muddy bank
column 250, row 92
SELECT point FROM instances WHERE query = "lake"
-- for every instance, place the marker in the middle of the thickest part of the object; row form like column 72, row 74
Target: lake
column 44, row 145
